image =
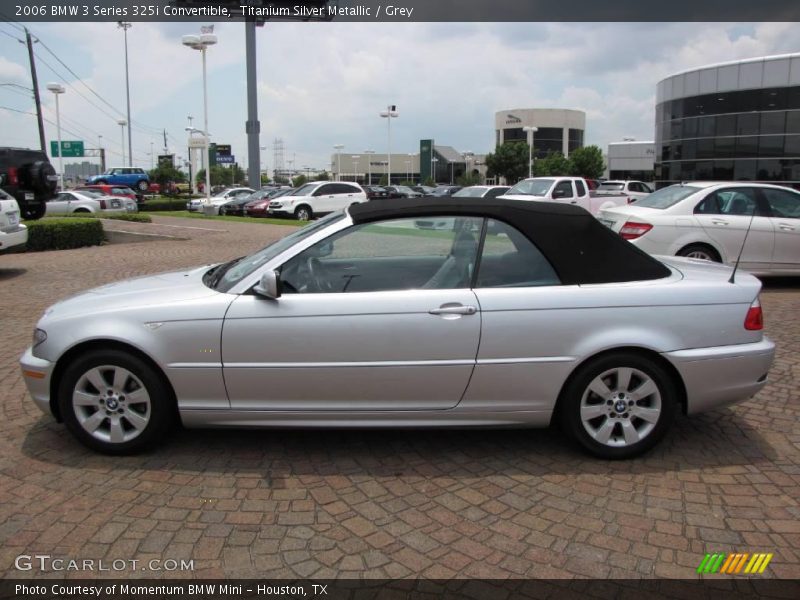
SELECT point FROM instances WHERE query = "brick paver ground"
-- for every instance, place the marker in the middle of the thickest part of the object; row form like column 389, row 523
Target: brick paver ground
column 437, row 504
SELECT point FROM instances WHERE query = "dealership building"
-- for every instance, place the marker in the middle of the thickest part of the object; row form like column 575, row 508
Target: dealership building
column 731, row 121
column 631, row 160
column 558, row 129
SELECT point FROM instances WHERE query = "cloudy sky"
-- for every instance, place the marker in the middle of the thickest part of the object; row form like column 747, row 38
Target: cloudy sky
column 322, row 84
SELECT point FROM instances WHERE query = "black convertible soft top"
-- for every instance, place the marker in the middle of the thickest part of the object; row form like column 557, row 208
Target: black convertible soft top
column 578, row 246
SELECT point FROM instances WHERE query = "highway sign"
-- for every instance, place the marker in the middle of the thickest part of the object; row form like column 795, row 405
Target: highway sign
column 71, row 149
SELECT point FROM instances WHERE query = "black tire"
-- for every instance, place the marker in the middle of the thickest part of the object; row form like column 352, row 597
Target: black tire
column 701, row 251
column 303, row 213
column 142, row 186
column 160, row 417
column 659, row 406
column 222, row 211
column 100, row 182
column 35, row 211
column 81, row 210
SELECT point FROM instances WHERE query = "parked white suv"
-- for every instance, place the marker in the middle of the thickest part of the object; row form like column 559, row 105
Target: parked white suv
column 318, row 198
column 12, row 232
column 569, row 190
column 632, row 190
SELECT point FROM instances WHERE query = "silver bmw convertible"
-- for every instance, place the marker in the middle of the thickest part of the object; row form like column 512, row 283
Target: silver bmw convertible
column 512, row 314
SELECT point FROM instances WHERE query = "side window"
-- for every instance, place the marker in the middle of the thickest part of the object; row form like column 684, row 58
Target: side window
column 634, row 187
column 495, row 192
column 342, row 188
column 783, row 204
column 509, row 259
column 708, row 206
column 325, row 190
column 737, row 201
column 62, row 197
column 401, row 254
column 563, row 189
column 580, row 187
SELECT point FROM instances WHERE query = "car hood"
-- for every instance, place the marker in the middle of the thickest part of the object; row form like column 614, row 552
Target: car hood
column 165, row 290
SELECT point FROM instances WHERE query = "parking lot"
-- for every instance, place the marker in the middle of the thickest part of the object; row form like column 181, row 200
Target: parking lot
column 436, row 504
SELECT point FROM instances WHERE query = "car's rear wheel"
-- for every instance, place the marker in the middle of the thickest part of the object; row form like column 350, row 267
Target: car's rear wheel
column 619, row 405
column 303, row 213
column 700, row 251
column 143, row 186
column 81, row 210
column 114, row 402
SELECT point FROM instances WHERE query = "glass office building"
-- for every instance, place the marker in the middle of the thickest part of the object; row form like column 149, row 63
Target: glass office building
column 558, row 130
column 734, row 121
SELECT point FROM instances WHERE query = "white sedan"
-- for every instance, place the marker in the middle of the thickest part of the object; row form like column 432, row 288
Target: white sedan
column 709, row 220
column 218, row 200
column 88, row 202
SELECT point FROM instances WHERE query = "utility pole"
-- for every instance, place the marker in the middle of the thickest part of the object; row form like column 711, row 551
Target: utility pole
column 36, row 97
column 125, row 26
column 253, row 126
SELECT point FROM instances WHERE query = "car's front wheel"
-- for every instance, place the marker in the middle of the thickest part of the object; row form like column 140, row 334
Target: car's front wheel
column 143, row 186
column 114, row 402
column 303, row 213
column 619, row 405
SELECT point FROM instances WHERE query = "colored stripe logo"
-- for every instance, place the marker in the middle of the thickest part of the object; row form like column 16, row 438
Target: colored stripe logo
column 735, row 564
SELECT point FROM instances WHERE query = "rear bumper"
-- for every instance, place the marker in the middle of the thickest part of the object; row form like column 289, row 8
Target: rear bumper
column 13, row 239
column 722, row 375
column 37, row 373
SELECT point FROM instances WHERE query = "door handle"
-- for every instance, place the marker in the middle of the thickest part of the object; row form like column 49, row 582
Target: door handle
column 719, row 222
column 458, row 309
column 784, row 227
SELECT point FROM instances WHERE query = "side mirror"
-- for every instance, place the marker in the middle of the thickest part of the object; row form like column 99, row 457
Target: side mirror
column 559, row 194
column 269, row 286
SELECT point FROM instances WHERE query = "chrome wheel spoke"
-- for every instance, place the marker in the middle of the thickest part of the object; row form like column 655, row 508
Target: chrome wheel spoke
column 603, row 433
column 136, row 420
column 647, row 388
column 93, row 422
column 95, row 377
column 624, row 379
column 592, row 411
column 80, row 398
column 599, row 387
column 117, row 433
column 630, row 433
column 650, row 415
column 139, row 396
column 120, row 379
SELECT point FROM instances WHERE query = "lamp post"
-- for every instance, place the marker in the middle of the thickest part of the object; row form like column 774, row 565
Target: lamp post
column 125, row 26
column 356, row 158
column 389, row 114
column 531, row 130
column 408, row 170
column 410, row 160
column 467, row 155
column 57, row 90
column 152, row 156
column 369, row 154
column 122, row 123
column 202, row 42
column 338, row 148
column 434, row 160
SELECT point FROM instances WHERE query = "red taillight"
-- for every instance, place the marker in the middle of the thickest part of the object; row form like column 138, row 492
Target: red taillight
column 102, row 204
column 754, row 321
column 13, row 177
column 632, row 230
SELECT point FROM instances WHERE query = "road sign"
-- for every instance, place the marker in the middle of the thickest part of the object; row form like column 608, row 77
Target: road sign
column 198, row 142
column 72, row 149
column 225, row 160
column 223, row 149
column 166, row 160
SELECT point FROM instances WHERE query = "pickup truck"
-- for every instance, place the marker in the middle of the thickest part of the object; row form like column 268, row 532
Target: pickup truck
column 632, row 190
column 569, row 190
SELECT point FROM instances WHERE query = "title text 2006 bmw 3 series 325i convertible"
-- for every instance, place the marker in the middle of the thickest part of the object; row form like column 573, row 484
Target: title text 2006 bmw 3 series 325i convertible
column 512, row 313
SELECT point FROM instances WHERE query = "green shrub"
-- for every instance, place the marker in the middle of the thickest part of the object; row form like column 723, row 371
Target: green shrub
column 62, row 234
column 138, row 218
column 164, row 204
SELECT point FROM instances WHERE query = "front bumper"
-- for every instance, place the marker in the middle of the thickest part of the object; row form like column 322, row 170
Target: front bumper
column 722, row 375
column 37, row 373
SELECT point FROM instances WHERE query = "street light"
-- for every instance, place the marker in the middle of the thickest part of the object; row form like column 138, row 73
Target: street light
column 202, row 42
column 355, row 158
column 434, row 160
column 338, row 148
column 369, row 165
column 389, row 114
column 122, row 123
column 410, row 160
column 57, row 90
column 467, row 155
column 530, row 130
column 125, row 26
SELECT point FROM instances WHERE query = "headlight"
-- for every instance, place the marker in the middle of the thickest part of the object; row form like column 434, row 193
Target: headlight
column 39, row 336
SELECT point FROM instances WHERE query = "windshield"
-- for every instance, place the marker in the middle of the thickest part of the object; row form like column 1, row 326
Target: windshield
column 610, row 187
column 237, row 270
column 305, row 190
column 668, row 196
column 470, row 192
column 532, row 187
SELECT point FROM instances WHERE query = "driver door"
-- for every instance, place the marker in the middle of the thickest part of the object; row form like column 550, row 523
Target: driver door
column 379, row 317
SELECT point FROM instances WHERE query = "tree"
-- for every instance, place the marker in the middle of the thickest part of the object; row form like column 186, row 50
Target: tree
column 552, row 164
column 299, row 180
column 429, row 182
column 384, row 180
column 323, row 176
column 264, row 179
column 468, row 180
column 164, row 174
column 587, row 162
column 510, row 160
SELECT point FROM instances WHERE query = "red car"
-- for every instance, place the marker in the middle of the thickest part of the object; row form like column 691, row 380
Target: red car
column 109, row 190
